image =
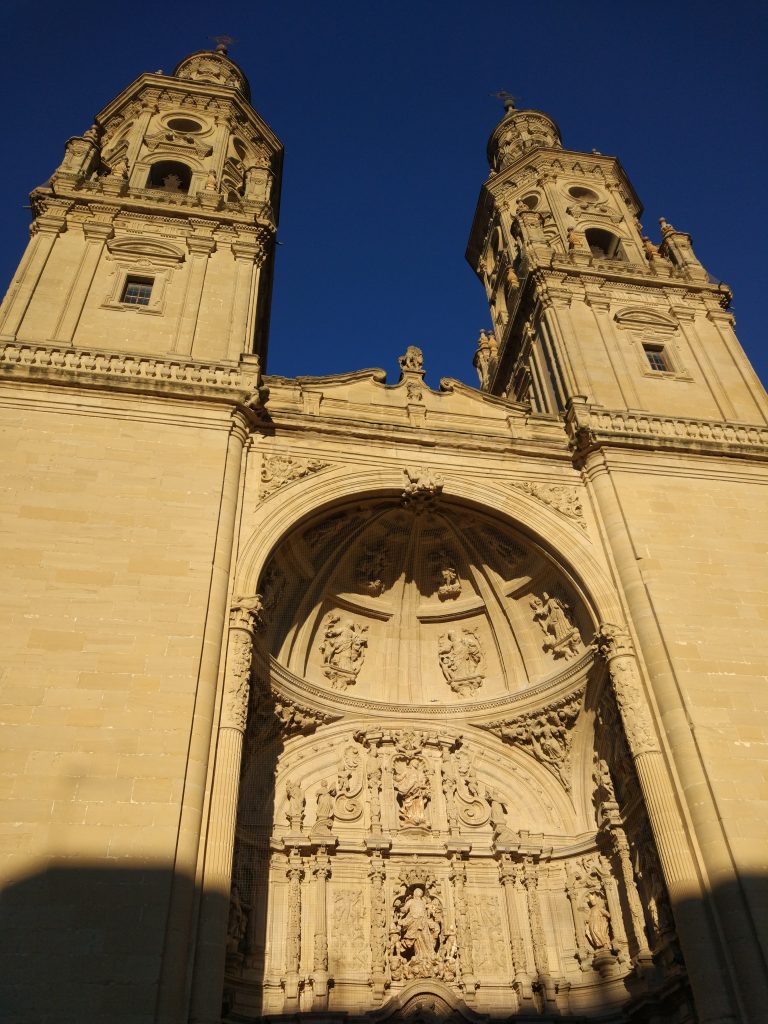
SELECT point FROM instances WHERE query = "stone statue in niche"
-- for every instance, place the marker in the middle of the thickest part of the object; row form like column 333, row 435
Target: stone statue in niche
column 343, row 650
column 349, row 786
column 411, row 781
column 295, row 813
column 501, row 831
column 462, row 660
column 556, row 620
column 237, row 923
column 597, row 926
column 450, row 588
column 324, row 809
column 419, row 946
column 370, row 570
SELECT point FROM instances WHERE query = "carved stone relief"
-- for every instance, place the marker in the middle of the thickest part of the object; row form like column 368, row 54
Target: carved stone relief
column 566, row 500
column 462, row 660
column 422, row 488
column 370, row 570
column 411, row 781
column 348, row 918
column 343, row 650
column 547, row 735
column 279, row 470
column 419, row 946
column 555, row 617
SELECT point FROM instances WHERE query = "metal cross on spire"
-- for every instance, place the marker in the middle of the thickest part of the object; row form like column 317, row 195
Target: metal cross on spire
column 507, row 99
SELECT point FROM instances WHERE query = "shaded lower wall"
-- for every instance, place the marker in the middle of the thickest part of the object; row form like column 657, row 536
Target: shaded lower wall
column 82, row 944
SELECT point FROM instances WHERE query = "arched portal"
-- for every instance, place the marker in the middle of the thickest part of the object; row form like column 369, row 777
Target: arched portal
column 435, row 785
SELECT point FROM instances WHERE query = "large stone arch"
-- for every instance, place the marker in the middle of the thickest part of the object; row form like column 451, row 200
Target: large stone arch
column 507, row 820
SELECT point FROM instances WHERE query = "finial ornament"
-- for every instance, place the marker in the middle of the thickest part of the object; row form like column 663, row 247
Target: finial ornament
column 222, row 43
column 507, row 99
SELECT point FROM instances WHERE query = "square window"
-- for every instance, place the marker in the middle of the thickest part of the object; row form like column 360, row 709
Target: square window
column 657, row 358
column 137, row 291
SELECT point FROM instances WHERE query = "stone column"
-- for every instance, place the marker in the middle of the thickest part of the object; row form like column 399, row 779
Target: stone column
column 509, row 875
column 620, row 846
column 293, row 931
column 680, row 873
column 246, row 255
column 96, row 234
column 538, row 935
column 321, row 869
column 200, row 248
column 179, row 936
column 45, row 230
column 449, row 786
column 572, row 891
column 377, row 875
column 611, row 890
column 217, row 878
column 463, row 933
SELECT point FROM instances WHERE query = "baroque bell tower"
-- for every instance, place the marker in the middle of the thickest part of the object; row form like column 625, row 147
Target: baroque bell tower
column 155, row 235
column 587, row 311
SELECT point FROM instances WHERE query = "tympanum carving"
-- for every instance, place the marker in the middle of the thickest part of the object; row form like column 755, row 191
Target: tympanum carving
column 556, row 620
column 462, row 660
column 343, row 649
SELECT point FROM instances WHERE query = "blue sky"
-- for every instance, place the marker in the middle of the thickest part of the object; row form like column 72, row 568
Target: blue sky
column 385, row 109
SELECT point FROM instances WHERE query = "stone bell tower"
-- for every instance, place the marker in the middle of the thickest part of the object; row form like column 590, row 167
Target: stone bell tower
column 584, row 306
column 628, row 345
column 155, row 235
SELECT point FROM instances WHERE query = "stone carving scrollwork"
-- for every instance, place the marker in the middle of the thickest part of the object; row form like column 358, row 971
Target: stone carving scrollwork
column 343, row 649
column 377, row 876
column 349, row 785
column 546, row 734
column 422, row 488
column 279, row 470
column 462, row 660
column 244, row 618
column 279, row 714
column 471, row 807
column 556, row 620
column 614, row 645
column 347, row 921
column 565, row 500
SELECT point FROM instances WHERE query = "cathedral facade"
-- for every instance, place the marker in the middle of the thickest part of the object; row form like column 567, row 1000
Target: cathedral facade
column 344, row 699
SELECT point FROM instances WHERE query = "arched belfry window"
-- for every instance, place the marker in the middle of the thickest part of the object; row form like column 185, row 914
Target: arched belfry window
column 604, row 244
column 170, row 176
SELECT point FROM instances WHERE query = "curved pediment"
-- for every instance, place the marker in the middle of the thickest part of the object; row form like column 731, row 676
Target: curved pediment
column 145, row 248
column 640, row 317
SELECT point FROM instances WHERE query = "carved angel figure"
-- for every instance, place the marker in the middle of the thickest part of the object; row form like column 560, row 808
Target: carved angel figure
column 343, row 650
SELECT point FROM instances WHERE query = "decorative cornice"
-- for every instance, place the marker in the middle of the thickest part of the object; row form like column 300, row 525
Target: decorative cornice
column 93, row 368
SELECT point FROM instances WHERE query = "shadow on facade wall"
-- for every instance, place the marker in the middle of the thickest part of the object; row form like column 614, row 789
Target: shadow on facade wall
column 83, row 944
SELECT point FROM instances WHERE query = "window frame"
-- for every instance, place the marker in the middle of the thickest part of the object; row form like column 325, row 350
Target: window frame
column 141, row 282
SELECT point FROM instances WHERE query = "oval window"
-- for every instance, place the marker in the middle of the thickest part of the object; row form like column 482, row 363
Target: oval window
column 185, row 125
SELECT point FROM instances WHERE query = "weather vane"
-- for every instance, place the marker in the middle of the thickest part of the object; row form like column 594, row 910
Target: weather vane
column 222, row 43
column 507, row 99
